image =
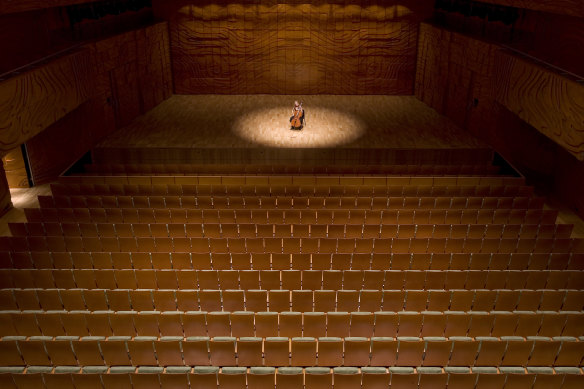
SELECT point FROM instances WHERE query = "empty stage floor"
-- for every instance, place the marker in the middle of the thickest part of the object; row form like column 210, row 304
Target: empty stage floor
column 255, row 128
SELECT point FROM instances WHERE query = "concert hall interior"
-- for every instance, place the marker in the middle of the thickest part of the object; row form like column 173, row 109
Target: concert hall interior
column 337, row 194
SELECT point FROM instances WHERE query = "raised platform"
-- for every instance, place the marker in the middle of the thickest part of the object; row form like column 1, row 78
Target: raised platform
column 255, row 129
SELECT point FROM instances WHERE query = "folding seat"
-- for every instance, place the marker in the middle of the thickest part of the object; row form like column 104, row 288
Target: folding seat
column 311, row 279
column 380, row 262
column 333, row 231
column 433, row 323
column 222, row 351
column 141, row 350
column 290, row 324
column 302, row 300
column 187, row 300
column 460, row 377
column 410, row 351
column 439, row 300
column 544, row 352
column 370, row 300
column 362, row 324
column 393, row 300
column 517, row 352
column 228, row 279
column 383, row 351
column 232, row 377
column 353, row 279
column 146, row 323
column 308, row 216
column 457, row 324
column 346, row 378
column 437, row 351
column 347, row 300
column 338, row 324
column 303, row 351
column 170, row 323
column 341, row 261
column 49, row 322
column 290, row 377
column 33, row 351
column 464, row 351
column 416, row 300
column 504, row 324
column 115, row 351
column 233, row 300
column 261, row 377
column 218, row 324
column 266, row 324
column 208, row 279
column 327, row 245
column 301, row 230
column 276, row 351
column 330, row 351
column 269, row 279
column 314, row 378
column 122, row 324
column 291, row 279
column 281, row 261
column 196, row 351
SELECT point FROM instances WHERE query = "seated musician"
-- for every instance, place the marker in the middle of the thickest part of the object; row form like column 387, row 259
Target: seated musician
column 298, row 108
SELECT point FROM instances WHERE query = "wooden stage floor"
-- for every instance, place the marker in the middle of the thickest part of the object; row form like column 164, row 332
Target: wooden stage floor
column 255, row 128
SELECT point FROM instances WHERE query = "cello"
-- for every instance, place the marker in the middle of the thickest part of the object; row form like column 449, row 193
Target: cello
column 296, row 122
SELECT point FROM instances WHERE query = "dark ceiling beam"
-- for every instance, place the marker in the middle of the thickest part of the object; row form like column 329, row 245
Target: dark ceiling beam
column 562, row 7
column 14, row 6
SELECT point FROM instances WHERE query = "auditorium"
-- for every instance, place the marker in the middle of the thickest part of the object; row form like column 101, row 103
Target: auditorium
column 292, row 194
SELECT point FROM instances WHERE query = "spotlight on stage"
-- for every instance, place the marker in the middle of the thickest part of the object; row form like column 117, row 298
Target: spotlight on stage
column 325, row 127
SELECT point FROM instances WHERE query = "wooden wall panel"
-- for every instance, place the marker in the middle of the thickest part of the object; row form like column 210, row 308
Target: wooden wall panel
column 32, row 101
column 132, row 75
column 551, row 103
column 489, row 92
column 289, row 47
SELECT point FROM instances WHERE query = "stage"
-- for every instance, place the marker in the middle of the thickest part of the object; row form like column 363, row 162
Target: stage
column 256, row 129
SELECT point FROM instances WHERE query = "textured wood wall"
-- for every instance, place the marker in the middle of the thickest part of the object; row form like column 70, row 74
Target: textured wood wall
column 31, row 101
column 456, row 75
column 293, row 47
column 489, row 92
column 551, row 103
column 132, row 75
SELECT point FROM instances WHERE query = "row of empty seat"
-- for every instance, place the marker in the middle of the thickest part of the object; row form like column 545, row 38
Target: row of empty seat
column 199, row 377
column 400, row 187
column 246, row 230
column 278, row 300
column 291, row 203
column 273, row 261
column 472, row 324
column 190, row 169
column 178, row 215
column 290, row 279
column 293, row 245
column 290, row 351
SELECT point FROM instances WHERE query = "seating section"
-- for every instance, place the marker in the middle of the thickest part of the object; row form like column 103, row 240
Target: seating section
column 167, row 276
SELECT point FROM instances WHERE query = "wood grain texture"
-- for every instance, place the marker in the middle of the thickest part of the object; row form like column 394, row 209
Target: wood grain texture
column 32, row 101
column 132, row 75
column 563, row 7
column 550, row 102
column 289, row 47
column 454, row 76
